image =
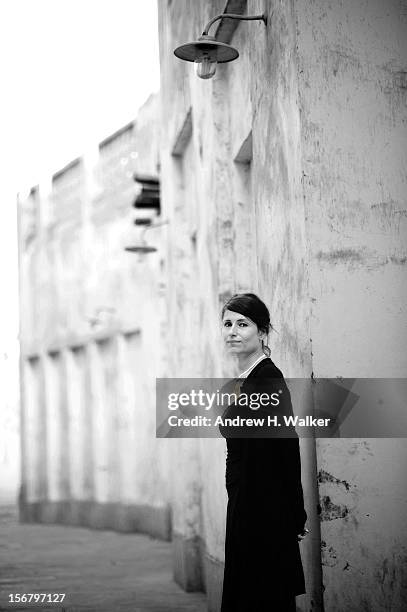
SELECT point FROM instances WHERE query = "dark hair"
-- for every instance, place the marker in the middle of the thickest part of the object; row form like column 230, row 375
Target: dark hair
column 251, row 306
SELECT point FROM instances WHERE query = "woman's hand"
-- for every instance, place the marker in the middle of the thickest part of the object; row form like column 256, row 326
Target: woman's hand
column 302, row 535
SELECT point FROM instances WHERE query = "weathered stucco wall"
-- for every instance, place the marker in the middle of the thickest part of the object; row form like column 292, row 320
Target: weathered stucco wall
column 353, row 89
column 90, row 343
column 289, row 166
column 9, row 427
column 231, row 184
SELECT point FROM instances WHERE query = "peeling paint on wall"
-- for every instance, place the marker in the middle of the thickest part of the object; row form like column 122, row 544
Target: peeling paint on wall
column 341, row 255
column 331, row 511
column 329, row 556
column 324, row 476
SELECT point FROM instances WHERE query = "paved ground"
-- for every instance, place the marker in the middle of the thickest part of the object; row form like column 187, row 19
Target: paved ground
column 98, row 570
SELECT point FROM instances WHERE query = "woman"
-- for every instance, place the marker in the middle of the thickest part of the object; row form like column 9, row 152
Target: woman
column 265, row 514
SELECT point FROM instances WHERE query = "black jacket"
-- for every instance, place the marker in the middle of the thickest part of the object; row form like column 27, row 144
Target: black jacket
column 265, row 508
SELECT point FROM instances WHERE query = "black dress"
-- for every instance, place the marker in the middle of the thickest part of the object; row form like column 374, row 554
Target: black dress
column 263, row 569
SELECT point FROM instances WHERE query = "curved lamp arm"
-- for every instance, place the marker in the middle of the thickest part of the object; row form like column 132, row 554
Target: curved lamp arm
column 234, row 16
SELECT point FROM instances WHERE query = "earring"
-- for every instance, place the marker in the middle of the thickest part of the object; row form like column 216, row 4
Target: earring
column 266, row 349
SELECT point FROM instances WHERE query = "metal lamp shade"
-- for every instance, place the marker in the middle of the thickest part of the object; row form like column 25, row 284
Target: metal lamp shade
column 141, row 248
column 215, row 50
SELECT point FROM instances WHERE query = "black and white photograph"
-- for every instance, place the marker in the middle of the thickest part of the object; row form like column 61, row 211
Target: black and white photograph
column 203, row 251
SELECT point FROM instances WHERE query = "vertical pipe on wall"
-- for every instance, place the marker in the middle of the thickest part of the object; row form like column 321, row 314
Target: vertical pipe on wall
column 311, row 546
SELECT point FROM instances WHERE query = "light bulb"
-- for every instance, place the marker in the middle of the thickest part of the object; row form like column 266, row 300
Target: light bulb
column 205, row 67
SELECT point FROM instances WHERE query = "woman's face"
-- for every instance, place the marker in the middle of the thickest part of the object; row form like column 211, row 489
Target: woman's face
column 240, row 334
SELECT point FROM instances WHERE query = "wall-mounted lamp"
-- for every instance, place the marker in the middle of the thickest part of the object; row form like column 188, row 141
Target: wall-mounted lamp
column 142, row 247
column 207, row 52
column 149, row 193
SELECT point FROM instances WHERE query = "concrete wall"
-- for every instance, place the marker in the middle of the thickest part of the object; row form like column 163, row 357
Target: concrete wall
column 222, row 159
column 352, row 75
column 91, row 323
column 9, row 426
column 284, row 175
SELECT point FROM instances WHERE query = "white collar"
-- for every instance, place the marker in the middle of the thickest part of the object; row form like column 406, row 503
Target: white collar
column 250, row 368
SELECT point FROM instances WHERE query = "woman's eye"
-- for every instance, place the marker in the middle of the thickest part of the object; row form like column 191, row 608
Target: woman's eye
column 243, row 324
